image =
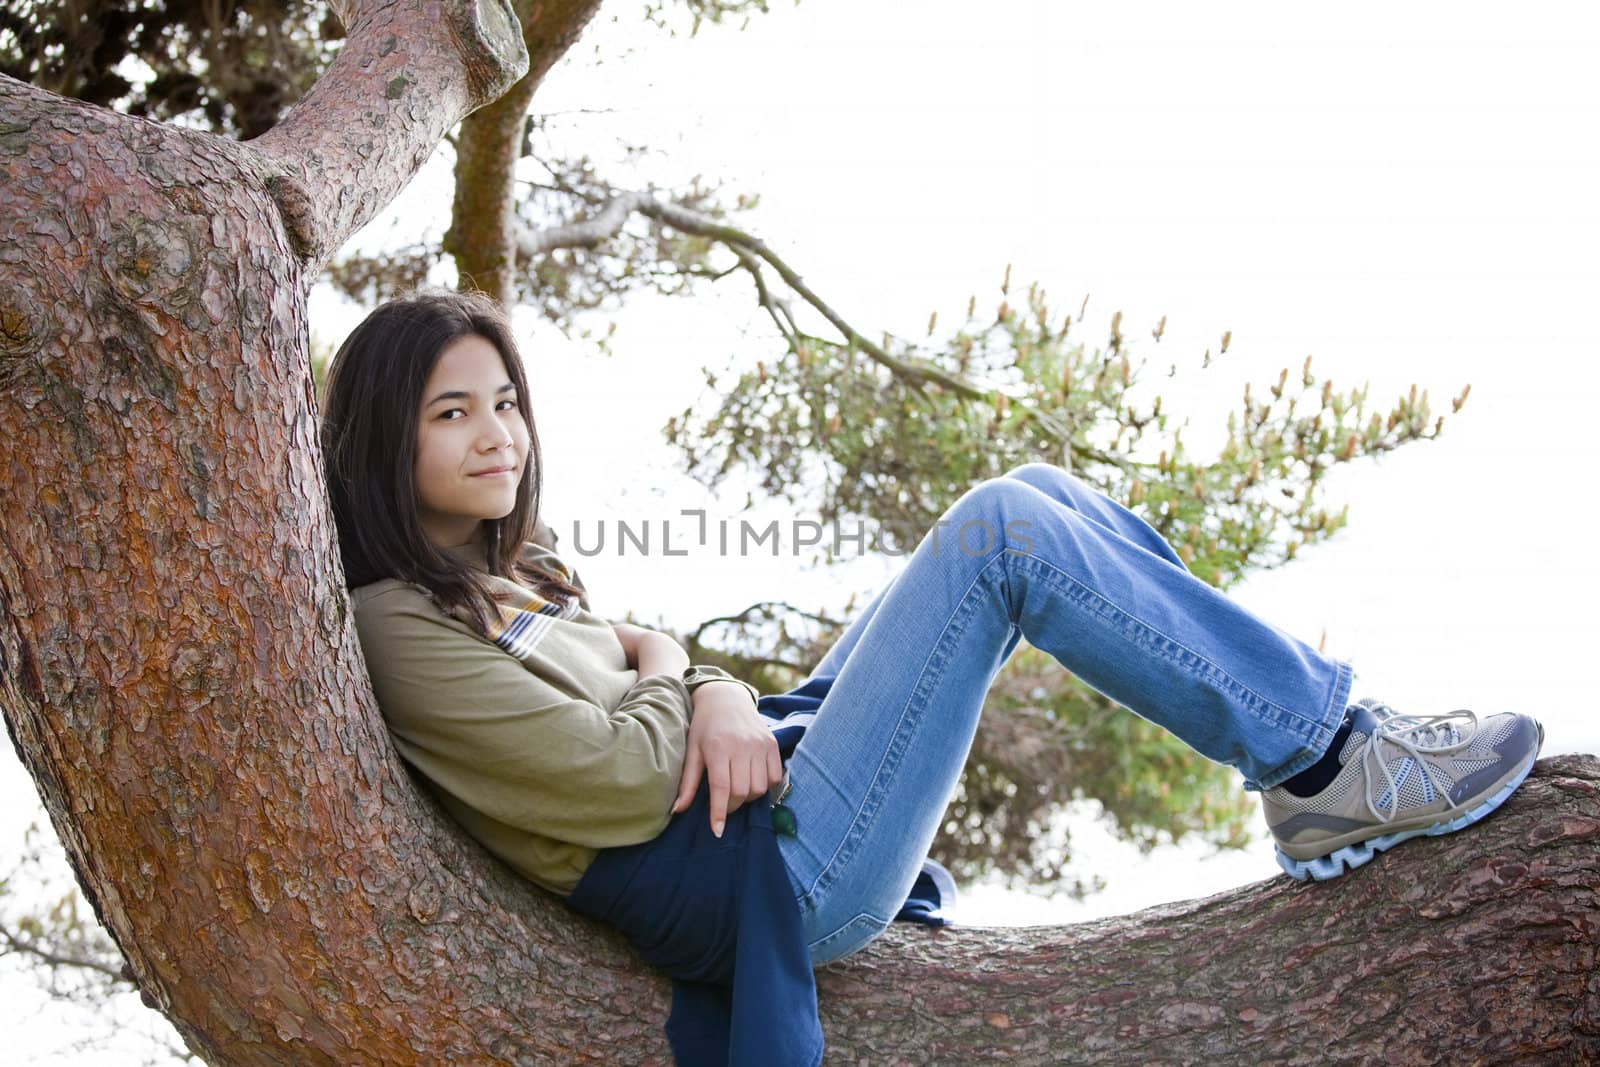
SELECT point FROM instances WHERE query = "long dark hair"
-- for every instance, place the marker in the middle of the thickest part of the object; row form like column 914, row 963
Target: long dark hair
column 369, row 443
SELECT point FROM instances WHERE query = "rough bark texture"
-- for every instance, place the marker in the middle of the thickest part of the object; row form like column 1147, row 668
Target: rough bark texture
column 407, row 73
column 179, row 674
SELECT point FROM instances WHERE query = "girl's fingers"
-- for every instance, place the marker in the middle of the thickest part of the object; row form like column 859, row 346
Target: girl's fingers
column 754, row 774
column 738, row 780
column 733, row 778
column 717, row 775
column 760, row 775
column 774, row 766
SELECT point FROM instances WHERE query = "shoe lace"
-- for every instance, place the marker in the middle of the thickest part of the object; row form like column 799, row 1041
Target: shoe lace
column 1414, row 735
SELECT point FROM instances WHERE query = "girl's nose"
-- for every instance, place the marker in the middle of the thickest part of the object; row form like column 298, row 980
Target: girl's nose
column 494, row 437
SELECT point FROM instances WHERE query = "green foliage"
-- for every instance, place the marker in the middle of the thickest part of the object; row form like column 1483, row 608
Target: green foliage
column 854, row 439
column 1049, row 743
column 372, row 279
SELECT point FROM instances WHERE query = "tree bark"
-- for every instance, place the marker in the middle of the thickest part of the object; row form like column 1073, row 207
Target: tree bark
column 179, row 673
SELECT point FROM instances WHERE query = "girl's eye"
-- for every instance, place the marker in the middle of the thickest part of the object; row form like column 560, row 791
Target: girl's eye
column 450, row 414
column 506, row 405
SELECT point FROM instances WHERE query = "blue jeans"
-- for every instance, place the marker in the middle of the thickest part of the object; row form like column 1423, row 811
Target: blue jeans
column 1033, row 554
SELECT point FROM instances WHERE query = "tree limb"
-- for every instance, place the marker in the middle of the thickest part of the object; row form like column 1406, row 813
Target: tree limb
column 482, row 212
column 410, row 71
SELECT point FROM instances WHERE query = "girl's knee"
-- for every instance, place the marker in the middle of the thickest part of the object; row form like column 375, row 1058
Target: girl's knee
column 991, row 498
column 1046, row 477
column 1035, row 473
column 1062, row 486
column 992, row 514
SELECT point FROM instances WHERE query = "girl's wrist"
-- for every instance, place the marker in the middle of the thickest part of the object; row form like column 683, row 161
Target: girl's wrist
column 697, row 677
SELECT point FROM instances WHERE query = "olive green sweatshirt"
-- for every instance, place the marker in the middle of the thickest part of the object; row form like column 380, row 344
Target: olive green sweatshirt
column 540, row 740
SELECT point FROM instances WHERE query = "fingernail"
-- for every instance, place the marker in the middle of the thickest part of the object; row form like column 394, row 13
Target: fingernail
column 716, row 829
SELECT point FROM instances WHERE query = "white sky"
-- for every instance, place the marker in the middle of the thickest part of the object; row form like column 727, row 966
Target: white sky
column 1405, row 192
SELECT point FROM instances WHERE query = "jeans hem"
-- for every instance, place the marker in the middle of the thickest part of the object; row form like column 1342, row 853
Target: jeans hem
column 1332, row 716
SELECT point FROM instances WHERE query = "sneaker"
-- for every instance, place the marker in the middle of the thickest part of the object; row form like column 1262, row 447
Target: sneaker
column 1401, row 776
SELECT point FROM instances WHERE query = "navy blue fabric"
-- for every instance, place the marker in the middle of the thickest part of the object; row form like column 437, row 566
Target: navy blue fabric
column 789, row 714
column 719, row 916
column 926, row 898
column 1317, row 777
column 807, row 698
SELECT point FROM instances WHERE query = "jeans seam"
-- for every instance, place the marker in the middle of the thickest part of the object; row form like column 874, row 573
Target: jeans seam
column 1307, row 729
column 916, row 705
column 875, row 922
column 808, row 893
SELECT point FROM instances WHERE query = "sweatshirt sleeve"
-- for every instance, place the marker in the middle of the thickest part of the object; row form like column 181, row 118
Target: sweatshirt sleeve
column 495, row 736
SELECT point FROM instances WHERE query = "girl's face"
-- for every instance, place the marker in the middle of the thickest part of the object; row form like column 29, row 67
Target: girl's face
column 472, row 442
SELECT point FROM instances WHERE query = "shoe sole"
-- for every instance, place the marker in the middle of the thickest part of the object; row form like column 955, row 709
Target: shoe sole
column 1352, row 856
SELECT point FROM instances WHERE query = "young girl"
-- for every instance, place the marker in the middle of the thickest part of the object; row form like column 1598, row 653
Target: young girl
column 602, row 765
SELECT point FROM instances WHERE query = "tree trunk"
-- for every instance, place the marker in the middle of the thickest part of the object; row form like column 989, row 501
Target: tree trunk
column 482, row 234
column 179, row 673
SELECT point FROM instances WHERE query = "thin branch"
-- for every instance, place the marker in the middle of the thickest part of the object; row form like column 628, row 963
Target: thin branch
column 771, row 608
column 542, row 115
column 780, row 315
column 608, row 222
column 55, row 959
column 916, row 376
column 751, row 252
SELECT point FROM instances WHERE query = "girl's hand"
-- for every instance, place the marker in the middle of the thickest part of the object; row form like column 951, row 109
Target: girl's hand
column 730, row 744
